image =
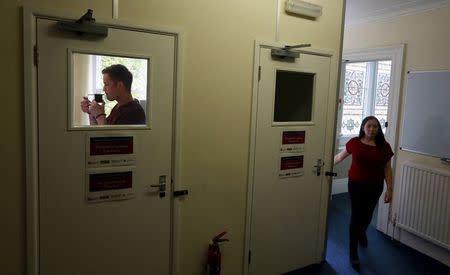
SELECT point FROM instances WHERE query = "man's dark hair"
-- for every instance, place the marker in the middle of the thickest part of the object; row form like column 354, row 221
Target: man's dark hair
column 119, row 72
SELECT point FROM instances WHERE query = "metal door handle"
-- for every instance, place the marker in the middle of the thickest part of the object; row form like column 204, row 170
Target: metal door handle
column 161, row 186
column 158, row 185
column 318, row 167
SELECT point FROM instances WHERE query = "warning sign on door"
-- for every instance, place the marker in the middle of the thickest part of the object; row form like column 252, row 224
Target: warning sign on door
column 292, row 141
column 107, row 186
column 113, row 150
column 111, row 145
column 291, row 166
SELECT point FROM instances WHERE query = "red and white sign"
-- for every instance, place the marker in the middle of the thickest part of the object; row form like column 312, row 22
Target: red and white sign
column 110, row 181
column 292, row 141
column 111, row 145
column 107, row 186
column 109, row 151
column 291, row 166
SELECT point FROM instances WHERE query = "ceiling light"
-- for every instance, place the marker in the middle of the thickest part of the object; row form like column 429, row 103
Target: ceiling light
column 303, row 8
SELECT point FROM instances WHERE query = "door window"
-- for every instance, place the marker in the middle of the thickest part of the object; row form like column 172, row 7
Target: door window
column 87, row 82
column 293, row 96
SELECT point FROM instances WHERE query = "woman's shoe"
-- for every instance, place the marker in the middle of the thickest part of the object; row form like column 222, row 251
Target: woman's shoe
column 354, row 260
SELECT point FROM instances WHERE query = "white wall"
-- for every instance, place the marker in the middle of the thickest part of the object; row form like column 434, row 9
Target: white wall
column 427, row 45
column 217, row 84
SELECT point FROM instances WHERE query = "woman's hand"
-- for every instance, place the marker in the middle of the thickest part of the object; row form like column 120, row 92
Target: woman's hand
column 388, row 196
column 389, row 183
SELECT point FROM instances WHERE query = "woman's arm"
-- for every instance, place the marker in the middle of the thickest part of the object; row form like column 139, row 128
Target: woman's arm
column 341, row 156
column 389, row 184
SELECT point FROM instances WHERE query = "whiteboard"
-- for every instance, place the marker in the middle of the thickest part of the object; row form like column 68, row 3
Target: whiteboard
column 426, row 117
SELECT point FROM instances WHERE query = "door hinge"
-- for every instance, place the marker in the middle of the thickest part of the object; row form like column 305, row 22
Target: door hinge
column 249, row 256
column 259, row 73
column 36, row 55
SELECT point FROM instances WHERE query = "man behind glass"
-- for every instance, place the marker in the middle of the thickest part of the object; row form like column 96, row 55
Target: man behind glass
column 117, row 80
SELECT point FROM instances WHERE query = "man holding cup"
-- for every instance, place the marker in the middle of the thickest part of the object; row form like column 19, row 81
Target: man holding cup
column 117, row 80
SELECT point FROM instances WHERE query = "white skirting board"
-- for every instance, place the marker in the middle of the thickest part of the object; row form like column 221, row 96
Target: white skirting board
column 339, row 186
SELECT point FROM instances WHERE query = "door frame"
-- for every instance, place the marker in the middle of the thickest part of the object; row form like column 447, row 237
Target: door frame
column 394, row 53
column 30, row 16
column 329, row 142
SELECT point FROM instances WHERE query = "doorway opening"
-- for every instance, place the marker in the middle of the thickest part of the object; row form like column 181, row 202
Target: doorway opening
column 370, row 85
column 365, row 92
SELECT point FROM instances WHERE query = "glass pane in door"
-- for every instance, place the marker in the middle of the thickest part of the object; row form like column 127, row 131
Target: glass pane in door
column 293, row 96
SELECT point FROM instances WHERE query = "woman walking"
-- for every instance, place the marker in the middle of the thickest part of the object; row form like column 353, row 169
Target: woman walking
column 370, row 167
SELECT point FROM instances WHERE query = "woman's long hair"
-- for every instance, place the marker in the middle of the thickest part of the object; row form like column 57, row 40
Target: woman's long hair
column 379, row 138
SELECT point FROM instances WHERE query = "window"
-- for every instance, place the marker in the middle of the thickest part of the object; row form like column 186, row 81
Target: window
column 293, row 96
column 87, row 82
column 137, row 67
column 366, row 92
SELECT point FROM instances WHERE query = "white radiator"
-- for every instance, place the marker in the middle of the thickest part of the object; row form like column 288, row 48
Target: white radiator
column 424, row 203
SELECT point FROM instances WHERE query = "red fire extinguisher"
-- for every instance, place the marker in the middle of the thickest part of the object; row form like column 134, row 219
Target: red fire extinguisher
column 214, row 256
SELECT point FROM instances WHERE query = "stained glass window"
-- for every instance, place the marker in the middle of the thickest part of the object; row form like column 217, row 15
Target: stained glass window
column 366, row 92
column 382, row 91
column 353, row 102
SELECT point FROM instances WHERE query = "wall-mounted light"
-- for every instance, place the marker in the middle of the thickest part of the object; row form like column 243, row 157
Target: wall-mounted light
column 303, row 8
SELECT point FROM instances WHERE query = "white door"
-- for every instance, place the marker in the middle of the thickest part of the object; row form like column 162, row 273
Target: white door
column 76, row 236
column 287, row 176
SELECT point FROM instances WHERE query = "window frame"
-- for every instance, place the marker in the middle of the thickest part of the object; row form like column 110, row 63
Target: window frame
column 95, row 52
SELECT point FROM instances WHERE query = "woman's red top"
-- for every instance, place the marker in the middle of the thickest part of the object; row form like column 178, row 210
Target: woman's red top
column 368, row 162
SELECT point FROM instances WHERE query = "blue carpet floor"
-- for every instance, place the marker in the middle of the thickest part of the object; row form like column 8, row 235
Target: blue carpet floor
column 384, row 256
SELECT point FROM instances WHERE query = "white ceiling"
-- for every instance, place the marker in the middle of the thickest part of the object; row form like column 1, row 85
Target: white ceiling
column 364, row 11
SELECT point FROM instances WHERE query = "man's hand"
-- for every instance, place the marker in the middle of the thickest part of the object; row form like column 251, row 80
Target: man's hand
column 96, row 109
column 85, row 104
